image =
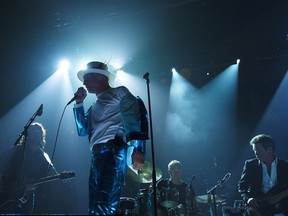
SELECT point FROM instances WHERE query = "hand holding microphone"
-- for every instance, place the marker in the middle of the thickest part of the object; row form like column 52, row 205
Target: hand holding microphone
column 79, row 96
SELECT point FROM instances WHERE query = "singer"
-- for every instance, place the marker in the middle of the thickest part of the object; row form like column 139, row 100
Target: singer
column 116, row 119
column 263, row 177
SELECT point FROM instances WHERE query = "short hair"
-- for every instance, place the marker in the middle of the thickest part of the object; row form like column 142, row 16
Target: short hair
column 265, row 140
column 173, row 163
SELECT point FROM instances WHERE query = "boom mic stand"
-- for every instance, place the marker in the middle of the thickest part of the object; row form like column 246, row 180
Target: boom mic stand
column 24, row 132
column 212, row 192
column 146, row 77
column 214, row 205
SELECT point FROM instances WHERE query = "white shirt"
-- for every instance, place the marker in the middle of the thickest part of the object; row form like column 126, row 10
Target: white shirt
column 269, row 182
column 106, row 116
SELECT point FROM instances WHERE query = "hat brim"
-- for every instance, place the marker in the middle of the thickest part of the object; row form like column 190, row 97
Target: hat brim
column 106, row 73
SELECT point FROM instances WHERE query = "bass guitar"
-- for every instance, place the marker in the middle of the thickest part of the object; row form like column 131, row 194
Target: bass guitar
column 267, row 204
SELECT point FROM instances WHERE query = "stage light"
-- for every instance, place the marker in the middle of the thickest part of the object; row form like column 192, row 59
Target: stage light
column 174, row 70
column 64, row 65
column 238, row 61
column 119, row 72
column 63, row 68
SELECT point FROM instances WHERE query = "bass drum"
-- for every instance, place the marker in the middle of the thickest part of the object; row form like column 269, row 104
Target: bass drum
column 127, row 206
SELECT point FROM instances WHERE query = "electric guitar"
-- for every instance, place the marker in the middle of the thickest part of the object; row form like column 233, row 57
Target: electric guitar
column 267, row 203
column 8, row 203
column 66, row 175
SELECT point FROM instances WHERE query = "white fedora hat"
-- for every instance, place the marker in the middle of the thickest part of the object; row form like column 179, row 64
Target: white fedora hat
column 95, row 67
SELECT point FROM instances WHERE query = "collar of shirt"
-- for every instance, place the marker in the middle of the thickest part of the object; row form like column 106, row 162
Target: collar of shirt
column 269, row 182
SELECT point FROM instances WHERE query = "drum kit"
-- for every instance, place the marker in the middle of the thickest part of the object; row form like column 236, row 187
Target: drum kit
column 142, row 204
column 145, row 174
column 167, row 198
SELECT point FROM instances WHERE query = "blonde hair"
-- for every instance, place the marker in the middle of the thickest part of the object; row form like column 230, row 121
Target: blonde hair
column 173, row 163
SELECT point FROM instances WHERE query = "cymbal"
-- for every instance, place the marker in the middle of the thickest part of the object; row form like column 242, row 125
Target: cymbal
column 204, row 199
column 144, row 174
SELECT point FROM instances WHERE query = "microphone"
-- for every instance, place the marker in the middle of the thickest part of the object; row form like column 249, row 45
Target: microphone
column 40, row 110
column 225, row 178
column 146, row 76
column 73, row 99
column 76, row 95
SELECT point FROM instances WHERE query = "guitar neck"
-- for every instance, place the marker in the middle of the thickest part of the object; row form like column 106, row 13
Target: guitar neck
column 46, row 180
column 278, row 197
column 62, row 176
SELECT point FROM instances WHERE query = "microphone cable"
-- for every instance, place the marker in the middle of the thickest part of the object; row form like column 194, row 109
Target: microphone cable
column 57, row 134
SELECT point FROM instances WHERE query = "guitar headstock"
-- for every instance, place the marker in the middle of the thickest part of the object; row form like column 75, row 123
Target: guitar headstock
column 67, row 175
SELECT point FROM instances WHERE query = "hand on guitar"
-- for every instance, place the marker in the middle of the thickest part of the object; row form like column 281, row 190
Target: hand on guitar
column 254, row 203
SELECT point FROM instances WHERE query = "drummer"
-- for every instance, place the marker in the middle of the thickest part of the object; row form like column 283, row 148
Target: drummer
column 173, row 191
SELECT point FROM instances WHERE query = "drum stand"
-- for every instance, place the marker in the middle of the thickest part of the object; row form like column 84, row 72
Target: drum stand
column 146, row 77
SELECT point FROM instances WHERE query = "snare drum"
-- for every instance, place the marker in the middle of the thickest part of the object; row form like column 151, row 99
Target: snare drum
column 169, row 197
column 127, row 206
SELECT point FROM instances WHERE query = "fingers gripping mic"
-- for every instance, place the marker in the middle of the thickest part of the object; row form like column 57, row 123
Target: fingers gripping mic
column 40, row 110
column 80, row 93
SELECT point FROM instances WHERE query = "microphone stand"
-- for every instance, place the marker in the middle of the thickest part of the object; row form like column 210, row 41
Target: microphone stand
column 24, row 132
column 146, row 77
column 212, row 192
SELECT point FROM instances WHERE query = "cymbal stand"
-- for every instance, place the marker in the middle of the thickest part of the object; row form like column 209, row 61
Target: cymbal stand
column 146, row 77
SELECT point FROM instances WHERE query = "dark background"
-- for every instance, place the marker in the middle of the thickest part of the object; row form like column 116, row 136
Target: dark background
column 196, row 37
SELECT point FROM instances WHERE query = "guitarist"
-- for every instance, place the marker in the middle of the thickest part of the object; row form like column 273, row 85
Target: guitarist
column 21, row 164
column 262, row 176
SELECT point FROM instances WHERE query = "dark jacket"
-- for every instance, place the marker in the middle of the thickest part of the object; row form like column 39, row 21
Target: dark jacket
column 250, row 183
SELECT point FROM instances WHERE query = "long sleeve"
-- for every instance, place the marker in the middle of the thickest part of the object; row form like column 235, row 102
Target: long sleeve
column 134, row 118
column 81, row 120
column 243, row 185
column 250, row 183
